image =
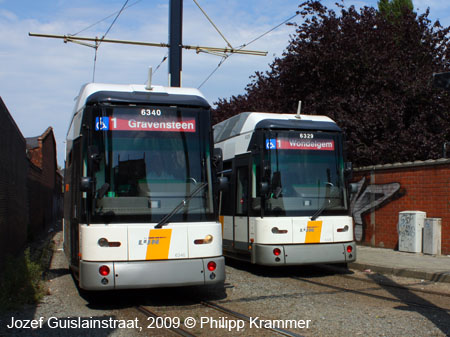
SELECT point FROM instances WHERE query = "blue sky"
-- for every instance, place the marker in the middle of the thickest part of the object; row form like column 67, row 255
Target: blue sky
column 39, row 78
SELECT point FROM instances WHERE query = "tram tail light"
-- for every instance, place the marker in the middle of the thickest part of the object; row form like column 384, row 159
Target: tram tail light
column 104, row 270
column 211, row 266
column 349, row 249
column 277, row 252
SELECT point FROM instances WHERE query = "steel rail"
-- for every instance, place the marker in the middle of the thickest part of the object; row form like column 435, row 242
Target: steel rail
column 380, row 297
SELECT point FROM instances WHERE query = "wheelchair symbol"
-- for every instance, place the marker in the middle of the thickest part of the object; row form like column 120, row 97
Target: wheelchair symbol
column 271, row 144
column 102, row 123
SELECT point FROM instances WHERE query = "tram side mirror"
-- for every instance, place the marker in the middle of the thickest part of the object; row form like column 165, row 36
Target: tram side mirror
column 263, row 188
column 86, row 184
column 348, row 170
column 94, row 157
column 353, row 188
column 217, row 159
column 222, row 183
column 267, row 170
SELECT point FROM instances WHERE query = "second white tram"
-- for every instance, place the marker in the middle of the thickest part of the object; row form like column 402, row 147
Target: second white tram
column 139, row 208
column 287, row 201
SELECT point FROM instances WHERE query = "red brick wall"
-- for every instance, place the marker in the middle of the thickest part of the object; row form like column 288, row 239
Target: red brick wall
column 424, row 186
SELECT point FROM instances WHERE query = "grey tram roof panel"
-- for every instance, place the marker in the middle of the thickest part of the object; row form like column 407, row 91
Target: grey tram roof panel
column 250, row 121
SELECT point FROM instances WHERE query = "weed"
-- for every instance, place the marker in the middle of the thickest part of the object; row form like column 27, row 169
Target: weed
column 21, row 281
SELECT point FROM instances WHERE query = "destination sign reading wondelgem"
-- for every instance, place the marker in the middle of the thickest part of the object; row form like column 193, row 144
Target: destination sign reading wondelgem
column 300, row 144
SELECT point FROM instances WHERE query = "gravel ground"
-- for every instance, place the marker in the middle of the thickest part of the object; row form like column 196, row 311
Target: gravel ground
column 62, row 304
column 341, row 306
column 328, row 302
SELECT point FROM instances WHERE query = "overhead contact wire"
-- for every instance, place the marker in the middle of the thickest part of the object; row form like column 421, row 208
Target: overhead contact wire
column 244, row 45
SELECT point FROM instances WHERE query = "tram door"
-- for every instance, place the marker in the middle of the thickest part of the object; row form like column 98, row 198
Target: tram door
column 242, row 200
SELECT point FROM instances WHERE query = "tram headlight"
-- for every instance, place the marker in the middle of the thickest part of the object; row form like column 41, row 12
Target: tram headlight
column 103, row 242
column 207, row 239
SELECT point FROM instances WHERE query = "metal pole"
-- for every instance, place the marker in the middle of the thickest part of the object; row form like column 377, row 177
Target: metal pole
column 175, row 42
column 199, row 49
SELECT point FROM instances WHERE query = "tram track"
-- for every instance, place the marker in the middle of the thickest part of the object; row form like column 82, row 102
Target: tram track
column 389, row 283
column 227, row 311
column 422, row 303
column 222, row 312
column 182, row 331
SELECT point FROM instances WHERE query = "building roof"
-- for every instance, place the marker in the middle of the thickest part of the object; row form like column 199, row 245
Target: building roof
column 33, row 142
column 8, row 115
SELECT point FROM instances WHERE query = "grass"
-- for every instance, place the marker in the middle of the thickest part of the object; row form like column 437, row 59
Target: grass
column 21, row 280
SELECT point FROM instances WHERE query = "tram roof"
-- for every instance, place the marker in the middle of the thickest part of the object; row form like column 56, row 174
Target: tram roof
column 250, row 121
column 136, row 93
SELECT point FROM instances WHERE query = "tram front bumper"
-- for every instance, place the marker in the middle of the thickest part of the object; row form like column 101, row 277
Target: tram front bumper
column 151, row 274
column 302, row 254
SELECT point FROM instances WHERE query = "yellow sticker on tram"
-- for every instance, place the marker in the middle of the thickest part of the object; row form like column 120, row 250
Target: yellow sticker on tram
column 221, row 220
column 158, row 244
column 313, row 231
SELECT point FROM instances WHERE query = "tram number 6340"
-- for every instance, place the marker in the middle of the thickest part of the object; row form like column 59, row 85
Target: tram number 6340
column 151, row 112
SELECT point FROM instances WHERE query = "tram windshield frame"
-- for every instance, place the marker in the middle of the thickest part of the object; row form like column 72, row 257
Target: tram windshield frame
column 304, row 171
column 145, row 160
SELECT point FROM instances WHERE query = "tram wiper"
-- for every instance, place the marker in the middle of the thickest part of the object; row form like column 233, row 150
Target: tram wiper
column 182, row 204
column 326, row 202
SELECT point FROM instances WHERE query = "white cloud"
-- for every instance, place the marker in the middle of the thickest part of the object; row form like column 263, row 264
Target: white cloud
column 4, row 14
column 39, row 78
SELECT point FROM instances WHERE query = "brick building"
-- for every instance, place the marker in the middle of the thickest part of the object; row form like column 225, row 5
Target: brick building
column 30, row 185
column 44, row 182
column 13, row 189
column 386, row 190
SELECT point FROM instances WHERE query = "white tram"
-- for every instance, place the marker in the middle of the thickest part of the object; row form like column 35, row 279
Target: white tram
column 139, row 208
column 287, row 201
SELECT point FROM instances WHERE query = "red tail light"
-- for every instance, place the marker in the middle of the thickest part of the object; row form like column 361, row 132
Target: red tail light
column 104, row 270
column 211, row 266
column 277, row 252
column 349, row 249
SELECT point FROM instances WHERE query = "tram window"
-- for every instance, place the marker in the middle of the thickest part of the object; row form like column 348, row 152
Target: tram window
column 242, row 191
column 226, row 200
column 69, row 161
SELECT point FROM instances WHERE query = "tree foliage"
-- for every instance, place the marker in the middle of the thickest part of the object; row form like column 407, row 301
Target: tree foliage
column 371, row 75
column 394, row 8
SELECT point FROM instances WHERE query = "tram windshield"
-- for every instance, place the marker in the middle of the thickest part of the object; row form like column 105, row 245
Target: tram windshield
column 150, row 159
column 305, row 172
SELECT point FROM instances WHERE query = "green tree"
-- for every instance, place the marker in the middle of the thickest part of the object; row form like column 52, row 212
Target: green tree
column 395, row 8
column 369, row 74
